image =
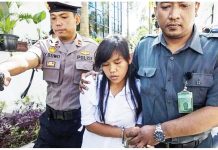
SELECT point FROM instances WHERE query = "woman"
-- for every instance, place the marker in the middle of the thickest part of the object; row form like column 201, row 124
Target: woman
column 112, row 104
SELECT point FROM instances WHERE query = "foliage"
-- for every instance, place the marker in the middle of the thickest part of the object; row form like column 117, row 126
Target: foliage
column 2, row 106
column 21, row 126
column 8, row 20
column 37, row 18
column 98, row 39
column 141, row 32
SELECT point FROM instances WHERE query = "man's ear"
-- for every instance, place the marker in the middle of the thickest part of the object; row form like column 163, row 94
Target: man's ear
column 197, row 5
column 77, row 19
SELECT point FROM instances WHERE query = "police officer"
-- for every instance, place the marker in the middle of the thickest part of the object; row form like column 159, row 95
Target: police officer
column 178, row 71
column 62, row 61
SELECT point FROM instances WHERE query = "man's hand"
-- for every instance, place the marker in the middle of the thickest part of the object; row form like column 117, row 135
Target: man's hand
column 141, row 137
column 83, row 81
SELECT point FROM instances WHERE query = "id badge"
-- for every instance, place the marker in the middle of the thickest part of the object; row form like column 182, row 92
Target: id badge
column 185, row 101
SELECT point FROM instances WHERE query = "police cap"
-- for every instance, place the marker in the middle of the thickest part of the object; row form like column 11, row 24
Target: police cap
column 64, row 6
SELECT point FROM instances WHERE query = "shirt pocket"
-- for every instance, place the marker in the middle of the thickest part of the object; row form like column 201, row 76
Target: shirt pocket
column 147, row 78
column 51, row 71
column 146, row 72
column 199, row 85
column 81, row 66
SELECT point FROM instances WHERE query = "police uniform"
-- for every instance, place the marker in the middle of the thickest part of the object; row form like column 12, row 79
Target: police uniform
column 62, row 65
column 162, row 77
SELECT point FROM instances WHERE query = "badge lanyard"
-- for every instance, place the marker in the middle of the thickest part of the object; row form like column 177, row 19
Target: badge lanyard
column 185, row 97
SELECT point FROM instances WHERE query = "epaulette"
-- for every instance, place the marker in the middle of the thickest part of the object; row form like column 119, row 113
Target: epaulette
column 210, row 35
column 85, row 39
column 53, row 41
column 149, row 35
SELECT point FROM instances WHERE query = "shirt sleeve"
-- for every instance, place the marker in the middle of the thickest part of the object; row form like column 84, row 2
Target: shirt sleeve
column 36, row 49
column 88, row 102
column 212, row 96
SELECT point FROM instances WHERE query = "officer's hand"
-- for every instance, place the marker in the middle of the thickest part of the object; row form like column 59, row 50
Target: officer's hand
column 83, row 80
column 130, row 134
column 5, row 78
column 142, row 137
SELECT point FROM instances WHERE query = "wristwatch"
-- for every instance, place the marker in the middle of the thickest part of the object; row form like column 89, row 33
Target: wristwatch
column 159, row 135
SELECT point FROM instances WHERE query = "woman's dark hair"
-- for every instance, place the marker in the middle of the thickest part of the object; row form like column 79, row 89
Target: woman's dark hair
column 104, row 52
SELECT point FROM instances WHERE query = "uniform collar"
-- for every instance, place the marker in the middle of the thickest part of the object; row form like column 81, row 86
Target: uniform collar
column 56, row 41
column 194, row 42
column 124, row 91
column 78, row 41
column 159, row 39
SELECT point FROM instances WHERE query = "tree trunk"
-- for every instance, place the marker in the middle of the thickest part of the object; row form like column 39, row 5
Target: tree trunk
column 84, row 24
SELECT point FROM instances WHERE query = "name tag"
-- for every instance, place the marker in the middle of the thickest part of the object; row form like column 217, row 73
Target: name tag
column 50, row 63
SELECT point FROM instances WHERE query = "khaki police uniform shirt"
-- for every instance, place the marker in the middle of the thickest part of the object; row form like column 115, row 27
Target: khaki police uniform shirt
column 62, row 66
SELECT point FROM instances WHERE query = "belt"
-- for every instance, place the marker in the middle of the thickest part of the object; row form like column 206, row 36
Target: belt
column 63, row 115
column 191, row 144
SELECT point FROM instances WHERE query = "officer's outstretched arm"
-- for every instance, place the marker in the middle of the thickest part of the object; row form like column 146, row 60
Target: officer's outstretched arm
column 18, row 64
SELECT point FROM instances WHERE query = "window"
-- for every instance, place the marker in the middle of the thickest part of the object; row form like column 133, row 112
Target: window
column 99, row 14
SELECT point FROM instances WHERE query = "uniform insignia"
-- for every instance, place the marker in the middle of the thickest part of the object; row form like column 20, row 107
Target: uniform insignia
column 85, row 52
column 79, row 43
column 50, row 63
column 52, row 49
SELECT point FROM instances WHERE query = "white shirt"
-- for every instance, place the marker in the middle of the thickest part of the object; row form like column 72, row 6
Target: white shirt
column 120, row 112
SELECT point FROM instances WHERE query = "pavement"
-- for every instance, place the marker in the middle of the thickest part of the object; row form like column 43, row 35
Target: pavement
column 30, row 145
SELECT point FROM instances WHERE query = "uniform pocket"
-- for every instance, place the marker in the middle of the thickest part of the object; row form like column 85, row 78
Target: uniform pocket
column 84, row 65
column 81, row 66
column 147, row 76
column 198, row 85
column 147, row 72
column 51, row 71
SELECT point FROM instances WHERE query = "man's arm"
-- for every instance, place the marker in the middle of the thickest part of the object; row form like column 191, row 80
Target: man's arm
column 18, row 64
column 196, row 122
